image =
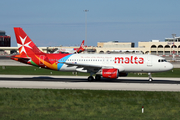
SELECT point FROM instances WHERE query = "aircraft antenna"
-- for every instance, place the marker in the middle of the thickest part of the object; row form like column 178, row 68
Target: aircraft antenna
column 86, row 27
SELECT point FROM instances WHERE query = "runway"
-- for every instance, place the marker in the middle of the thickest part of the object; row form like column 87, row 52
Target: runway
column 80, row 82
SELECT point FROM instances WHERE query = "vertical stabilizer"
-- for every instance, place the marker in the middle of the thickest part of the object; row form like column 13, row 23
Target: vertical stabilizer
column 25, row 44
column 81, row 48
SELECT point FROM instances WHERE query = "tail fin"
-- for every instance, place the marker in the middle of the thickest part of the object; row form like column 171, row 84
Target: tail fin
column 82, row 44
column 81, row 47
column 25, row 44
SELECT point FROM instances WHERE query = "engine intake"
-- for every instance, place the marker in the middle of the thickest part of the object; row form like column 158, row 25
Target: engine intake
column 110, row 73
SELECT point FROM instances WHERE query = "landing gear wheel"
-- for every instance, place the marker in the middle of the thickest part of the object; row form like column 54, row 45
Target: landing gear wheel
column 150, row 79
column 90, row 78
column 97, row 77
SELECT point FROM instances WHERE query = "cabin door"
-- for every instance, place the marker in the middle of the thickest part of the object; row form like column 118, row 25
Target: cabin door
column 149, row 61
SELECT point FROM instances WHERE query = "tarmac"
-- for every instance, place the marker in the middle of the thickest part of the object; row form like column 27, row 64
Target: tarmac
column 81, row 82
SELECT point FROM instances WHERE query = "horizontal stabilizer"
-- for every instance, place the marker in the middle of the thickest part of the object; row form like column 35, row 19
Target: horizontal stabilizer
column 27, row 58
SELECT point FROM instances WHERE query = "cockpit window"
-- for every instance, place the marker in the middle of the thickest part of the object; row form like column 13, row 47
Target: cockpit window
column 162, row 60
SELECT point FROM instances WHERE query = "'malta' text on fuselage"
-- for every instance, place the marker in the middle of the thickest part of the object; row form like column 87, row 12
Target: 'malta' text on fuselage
column 129, row 60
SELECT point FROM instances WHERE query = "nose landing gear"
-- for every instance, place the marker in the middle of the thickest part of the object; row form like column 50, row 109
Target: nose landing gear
column 150, row 77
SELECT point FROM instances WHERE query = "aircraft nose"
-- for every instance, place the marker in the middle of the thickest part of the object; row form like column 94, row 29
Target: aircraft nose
column 169, row 66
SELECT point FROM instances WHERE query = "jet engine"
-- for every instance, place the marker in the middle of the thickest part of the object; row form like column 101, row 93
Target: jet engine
column 110, row 73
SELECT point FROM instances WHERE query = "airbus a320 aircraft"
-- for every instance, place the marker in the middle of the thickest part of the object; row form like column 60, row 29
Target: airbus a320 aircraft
column 102, row 65
column 73, row 50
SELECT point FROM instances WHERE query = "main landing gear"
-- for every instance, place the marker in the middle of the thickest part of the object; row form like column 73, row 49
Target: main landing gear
column 150, row 77
column 91, row 78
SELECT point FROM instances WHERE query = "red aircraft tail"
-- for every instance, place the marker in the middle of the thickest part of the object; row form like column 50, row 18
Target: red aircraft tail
column 25, row 44
column 81, row 47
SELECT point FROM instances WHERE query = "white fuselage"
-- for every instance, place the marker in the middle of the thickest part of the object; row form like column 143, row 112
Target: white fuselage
column 123, row 62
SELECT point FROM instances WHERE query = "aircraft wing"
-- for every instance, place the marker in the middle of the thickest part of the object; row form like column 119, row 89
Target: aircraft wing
column 81, row 65
column 88, row 67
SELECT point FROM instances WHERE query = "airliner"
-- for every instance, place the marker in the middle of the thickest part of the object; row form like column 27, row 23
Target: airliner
column 73, row 50
column 109, row 66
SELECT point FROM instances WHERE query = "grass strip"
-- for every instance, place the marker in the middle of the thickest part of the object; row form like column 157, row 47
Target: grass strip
column 48, row 104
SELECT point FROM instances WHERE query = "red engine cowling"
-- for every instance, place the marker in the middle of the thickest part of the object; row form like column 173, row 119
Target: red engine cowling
column 110, row 73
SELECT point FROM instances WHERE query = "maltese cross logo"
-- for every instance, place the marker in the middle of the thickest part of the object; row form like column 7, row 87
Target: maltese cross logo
column 22, row 45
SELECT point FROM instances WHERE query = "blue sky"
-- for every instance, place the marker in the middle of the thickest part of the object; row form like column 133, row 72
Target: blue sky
column 62, row 22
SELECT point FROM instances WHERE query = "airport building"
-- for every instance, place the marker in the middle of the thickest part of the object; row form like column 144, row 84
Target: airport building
column 115, row 47
column 160, row 48
column 5, row 40
column 167, row 47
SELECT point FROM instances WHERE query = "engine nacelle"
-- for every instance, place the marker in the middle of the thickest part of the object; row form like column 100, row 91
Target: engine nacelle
column 123, row 74
column 110, row 73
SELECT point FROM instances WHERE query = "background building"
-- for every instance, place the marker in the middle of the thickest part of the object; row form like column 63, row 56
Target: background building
column 5, row 41
column 114, row 47
column 160, row 48
column 171, row 46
